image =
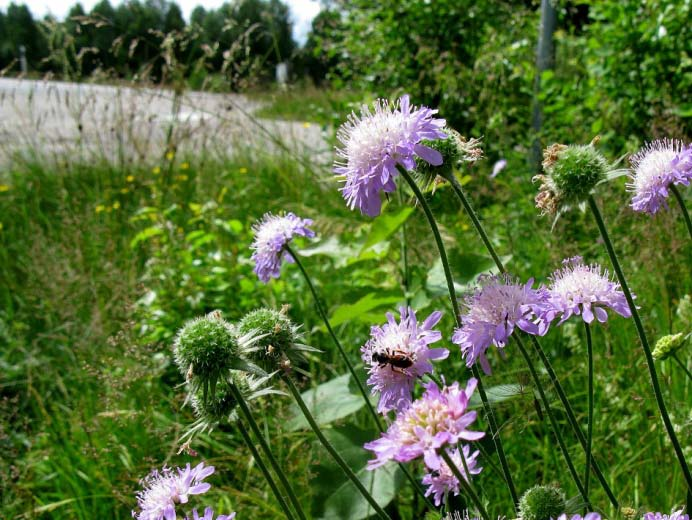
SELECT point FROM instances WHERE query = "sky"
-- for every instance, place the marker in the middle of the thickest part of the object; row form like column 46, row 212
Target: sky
column 302, row 11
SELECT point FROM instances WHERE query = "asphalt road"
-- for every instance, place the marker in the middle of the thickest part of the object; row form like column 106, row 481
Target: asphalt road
column 59, row 122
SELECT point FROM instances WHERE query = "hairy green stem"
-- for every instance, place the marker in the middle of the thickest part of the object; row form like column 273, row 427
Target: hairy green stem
column 589, row 427
column 267, row 451
column 332, row 451
column 361, row 388
column 682, row 365
column 494, row 431
column 683, row 208
column 544, row 359
column 644, row 342
column 265, row 470
column 465, row 484
column 553, row 420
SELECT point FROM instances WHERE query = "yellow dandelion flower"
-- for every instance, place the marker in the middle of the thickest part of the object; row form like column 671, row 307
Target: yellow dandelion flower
column 182, row 177
column 100, row 208
column 156, row 170
column 116, row 205
column 130, row 178
column 307, row 125
column 185, row 166
column 4, row 187
column 243, row 170
column 170, row 156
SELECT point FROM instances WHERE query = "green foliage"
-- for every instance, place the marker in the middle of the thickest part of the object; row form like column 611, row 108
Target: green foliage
column 542, row 503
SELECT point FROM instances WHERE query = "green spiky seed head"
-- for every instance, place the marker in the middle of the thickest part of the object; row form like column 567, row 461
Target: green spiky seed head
column 222, row 405
column 542, row 503
column 570, row 175
column 205, row 348
column 455, row 150
column 668, row 345
column 277, row 337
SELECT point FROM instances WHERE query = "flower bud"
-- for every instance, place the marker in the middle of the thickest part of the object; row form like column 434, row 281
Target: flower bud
column 570, row 175
column 205, row 349
column 455, row 150
column 668, row 345
column 222, row 405
column 542, row 503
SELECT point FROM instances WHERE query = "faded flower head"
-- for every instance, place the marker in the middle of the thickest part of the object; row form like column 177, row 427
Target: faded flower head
column 279, row 341
column 455, row 150
column 668, row 345
column 583, row 290
column 163, row 490
column 438, row 418
column 442, row 481
column 570, row 175
column 209, row 515
column 492, row 312
column 654, row 168
column 675, row 515
column 272, row 234
column 373, row 144
column 397, row 354
column 542, row 503
column 205, row 349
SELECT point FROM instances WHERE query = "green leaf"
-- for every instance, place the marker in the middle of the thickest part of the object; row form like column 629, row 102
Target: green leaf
column 385, row 226
column 335, row 496
column 366, row 304
column 145, row 235
column 466, row 267
column 328, row 402
column 497, row 394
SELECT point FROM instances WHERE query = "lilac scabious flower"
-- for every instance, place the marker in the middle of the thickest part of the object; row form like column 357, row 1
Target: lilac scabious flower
column 373, row 144
column 166, row 488
column 397, row 354
column 492, row 312
column 438, row 418
column 654, row 168
column 675, row 515
column 209, row 515
column 443, row 481
column 587, row 516
column 272, row 233
column 583, row 290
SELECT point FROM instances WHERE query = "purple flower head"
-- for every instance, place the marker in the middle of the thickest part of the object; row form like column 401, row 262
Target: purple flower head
column 442, row 481
column 272, row 233
column 373, row 144
column 406, row 345
column 587, row 516
column 209, row 515
column 164, row 489
column 492, row 312
column 583, row 290
column 654, row 168
column 675, row 515
column 439, row 417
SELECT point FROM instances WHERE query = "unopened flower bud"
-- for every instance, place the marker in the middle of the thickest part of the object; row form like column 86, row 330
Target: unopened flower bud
column 455, row 150
column 668, row 345
column 222, row 405
column 542, row 503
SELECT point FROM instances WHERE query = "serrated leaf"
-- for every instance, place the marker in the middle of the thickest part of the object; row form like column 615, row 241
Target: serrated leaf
column 328, row 402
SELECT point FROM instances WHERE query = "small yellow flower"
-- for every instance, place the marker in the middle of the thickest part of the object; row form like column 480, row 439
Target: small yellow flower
column 130, row 178
column 185, row 166
column 116, row 205
column 307, row 125
column 156, row 170
column 180, row 230
column 4, row 187
column 182, row 177
column 100, row 208
column 242, row 170
column 170, row 155
column 124, row 191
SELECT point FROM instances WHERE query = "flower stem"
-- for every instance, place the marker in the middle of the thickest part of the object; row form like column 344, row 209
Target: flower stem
column 457, row 316
column 265, row 470
column 589, row 429
column 644, row 342
column 553, row 420
column 683, row 208
column 544, row 359
column 682, row 365
column 332, row 451
column 361, row 388
column 464, row 483
column 265, row 448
